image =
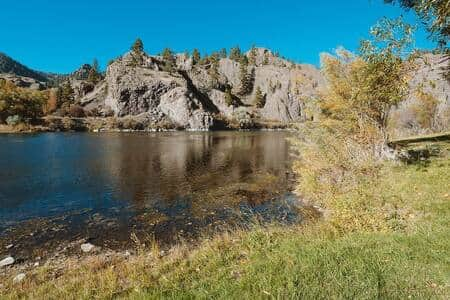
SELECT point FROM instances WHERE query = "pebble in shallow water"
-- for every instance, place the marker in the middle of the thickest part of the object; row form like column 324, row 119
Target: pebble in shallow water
column 87, row 247
column 19, row 278
column 7, row 261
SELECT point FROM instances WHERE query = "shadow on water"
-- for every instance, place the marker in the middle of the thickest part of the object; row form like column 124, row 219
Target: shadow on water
column 57, row 188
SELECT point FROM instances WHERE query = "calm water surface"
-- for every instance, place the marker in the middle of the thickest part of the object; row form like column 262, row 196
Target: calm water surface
column 104, row 187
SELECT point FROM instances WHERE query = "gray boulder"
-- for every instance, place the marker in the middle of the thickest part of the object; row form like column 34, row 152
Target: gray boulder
column 19, row 278
column 7, row 261
column 87, row 247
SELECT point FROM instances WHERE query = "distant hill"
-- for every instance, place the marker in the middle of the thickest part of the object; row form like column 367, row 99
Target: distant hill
column 10, row 66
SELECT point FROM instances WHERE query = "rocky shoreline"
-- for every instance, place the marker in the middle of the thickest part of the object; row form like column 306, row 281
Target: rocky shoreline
column 126, row 124
column 30, row 245
column 81, row 252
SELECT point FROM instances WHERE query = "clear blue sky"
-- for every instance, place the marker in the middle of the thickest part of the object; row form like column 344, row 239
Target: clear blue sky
column 59, row 36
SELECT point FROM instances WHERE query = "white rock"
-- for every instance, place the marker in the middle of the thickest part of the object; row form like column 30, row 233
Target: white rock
column 7, row 261
column 87, row 247
column 19, row 278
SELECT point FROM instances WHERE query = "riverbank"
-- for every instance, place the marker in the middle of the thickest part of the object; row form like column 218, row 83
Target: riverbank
column 408, row 259
column 126, row 124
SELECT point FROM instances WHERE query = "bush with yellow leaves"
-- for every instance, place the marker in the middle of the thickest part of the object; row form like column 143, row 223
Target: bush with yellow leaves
column 340, row 154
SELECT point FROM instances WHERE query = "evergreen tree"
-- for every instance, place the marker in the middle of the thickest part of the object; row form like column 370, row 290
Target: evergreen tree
column 137, row 51
column 65, row 94
column 95, row 66
column 229, row 98
column 196, row 56
column 246, row 79
column 260, row 99
column 204, row 60
column 223, row 53
column 243, row 60
column 138, row 46
column 252, row 56
column 167, row 54
column 169, row 60
column 213, row 71
column 94, row 75
column 266, row 58
column 235, row 53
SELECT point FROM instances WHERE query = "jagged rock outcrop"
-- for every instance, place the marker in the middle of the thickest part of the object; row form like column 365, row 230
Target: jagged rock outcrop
column 82, row 73
column 141, row 88
column 193, row 95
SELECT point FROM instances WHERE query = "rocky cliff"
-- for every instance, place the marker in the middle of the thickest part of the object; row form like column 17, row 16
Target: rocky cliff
column 194, row 95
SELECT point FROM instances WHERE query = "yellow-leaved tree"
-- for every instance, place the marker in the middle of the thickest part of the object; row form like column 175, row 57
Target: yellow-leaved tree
column 20, row 102
column 343, row 148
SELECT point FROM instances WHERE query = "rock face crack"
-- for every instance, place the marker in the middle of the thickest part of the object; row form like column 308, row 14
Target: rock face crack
column 203, row 98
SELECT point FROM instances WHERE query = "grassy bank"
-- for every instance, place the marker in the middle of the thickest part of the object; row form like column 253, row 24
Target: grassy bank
column 408, row 260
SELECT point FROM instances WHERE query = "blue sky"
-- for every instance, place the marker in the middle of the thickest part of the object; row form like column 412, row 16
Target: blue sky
column 59, row 36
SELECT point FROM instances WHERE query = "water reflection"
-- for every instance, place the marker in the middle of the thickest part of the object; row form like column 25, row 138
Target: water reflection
column 135, row 180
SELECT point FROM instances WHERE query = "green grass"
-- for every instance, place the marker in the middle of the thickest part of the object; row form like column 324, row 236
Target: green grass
column 363, row 266
column 315, row 261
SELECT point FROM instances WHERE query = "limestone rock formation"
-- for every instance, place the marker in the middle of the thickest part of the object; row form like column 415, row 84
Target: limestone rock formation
column 192, row 96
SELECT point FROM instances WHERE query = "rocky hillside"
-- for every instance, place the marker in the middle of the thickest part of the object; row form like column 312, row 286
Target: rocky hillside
column 254, row 88
column 202, row 95
column 10, row 66
column 427, row 107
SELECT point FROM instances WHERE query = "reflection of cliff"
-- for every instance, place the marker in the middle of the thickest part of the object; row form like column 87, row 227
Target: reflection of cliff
column 69, row 172
column 156, row 170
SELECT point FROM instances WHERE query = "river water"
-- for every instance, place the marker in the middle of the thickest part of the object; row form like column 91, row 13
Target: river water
column 107, row 187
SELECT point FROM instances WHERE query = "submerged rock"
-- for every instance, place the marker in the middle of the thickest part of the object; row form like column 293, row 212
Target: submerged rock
column 87, row 247
column 19, row 278
column 7, row 261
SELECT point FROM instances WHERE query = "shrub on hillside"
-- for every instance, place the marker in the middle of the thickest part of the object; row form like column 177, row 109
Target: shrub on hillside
column 76, row 111
column 425, row 110
column 130, row 123
column 243, row 119
column 13, row 120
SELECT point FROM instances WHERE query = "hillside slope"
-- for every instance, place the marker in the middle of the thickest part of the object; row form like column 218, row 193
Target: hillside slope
column 10, row 66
